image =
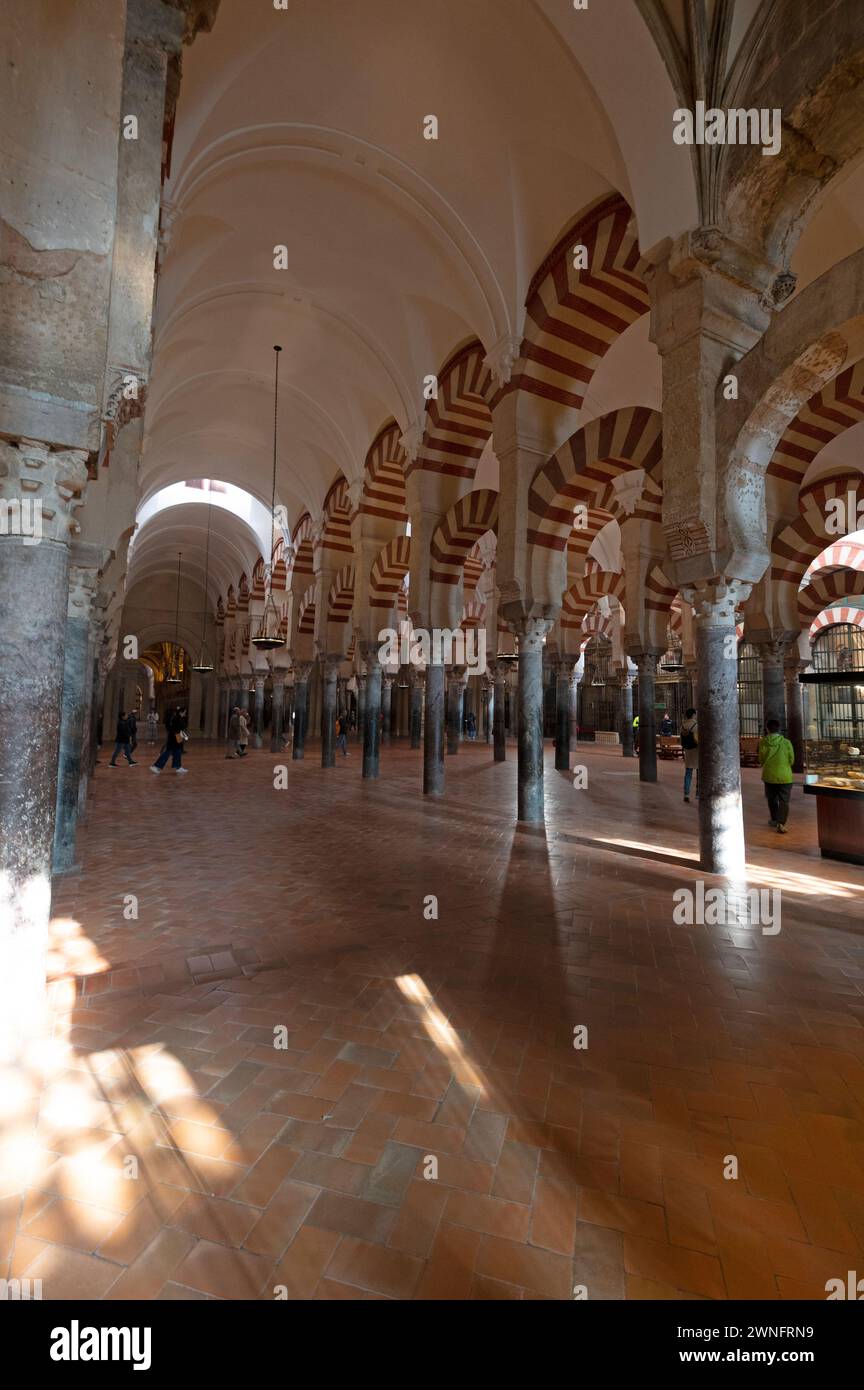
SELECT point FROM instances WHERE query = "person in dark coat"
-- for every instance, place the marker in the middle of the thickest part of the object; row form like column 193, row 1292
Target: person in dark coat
column 132, row 721
column 122, row 741
column 176, row 726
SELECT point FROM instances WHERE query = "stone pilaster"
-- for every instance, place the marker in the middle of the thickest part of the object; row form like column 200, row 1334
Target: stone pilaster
column 301, row 708
column 433, row 732
column 721, row 824
column 39, row 491
column 530, row 636
column 77, row 680
column 372, row 719
column 277, row 712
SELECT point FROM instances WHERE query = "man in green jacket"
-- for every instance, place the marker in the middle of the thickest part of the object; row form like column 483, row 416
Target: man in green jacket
column 776, row 756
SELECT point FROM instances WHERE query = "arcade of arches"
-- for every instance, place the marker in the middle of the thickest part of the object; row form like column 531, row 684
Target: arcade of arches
column 590, row 401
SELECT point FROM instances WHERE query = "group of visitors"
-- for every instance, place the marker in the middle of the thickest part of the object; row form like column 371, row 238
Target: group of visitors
column 238, row 733
column 776, row 759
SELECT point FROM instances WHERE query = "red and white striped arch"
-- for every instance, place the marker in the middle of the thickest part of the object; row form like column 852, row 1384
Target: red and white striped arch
column 583, row 471
column 471, row 517
column 340, row 600
column 796, row 545
column 837, row 407
column 303, row 568
column 826, row 589
column 832, row 617
column 279, row 577
column 388, row 571
column 582, row 595
column 384, row 477
column 459, row 422
column 306, row 614
column 337, row 519
column 574, row 316
column 842, row 555
column 259, row 579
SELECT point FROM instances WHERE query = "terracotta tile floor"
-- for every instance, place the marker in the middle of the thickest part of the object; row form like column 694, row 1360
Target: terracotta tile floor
column 163, row 1147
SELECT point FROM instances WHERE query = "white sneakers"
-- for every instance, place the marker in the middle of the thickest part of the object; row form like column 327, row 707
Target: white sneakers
column 181, row 770
column 157, row 770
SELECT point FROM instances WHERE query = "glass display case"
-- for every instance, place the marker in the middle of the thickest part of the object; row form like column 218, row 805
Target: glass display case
column 834, row 760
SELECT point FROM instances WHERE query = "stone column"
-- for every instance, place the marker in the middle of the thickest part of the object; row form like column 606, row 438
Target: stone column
column 386, row 707
column 454, row 708
column 575, row 682
column 563, row 671
column 361, row 705
column 530, row 634
column 795, row 708
column 721, row 823
column 433, row 733
column 499, row 730
column 328, row 711
column 243, row 693
column 418, row 682
column 195, row 704
column 92, row 702
column 301, row 709
column 647, row 663
column 488, row 707
column 77, row 679
column 277, row 714
column 258, row 734
column 772, row 654
column 625, row 686
column 39, row 490
column 372, row 721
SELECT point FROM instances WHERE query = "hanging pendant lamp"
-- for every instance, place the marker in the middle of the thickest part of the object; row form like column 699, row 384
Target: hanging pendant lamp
column 269, row 637
column 202, row 664
column 173, row 676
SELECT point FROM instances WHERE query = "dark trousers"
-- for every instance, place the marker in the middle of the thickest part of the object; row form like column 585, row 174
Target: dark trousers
column 342, row 743
column 125, row 748
column 174, row 752
column 779, row 795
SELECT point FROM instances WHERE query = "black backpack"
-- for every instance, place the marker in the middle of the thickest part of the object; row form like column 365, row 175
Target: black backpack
column 689, row 740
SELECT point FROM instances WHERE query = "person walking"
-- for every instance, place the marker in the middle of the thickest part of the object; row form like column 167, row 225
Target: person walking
column 776, row 758
column 242, row 734
column 177, row 736
column 122, row 741
column 636, row 734
column 690, row 745
column 132, row 721
column 342, row 735
column 234, row 734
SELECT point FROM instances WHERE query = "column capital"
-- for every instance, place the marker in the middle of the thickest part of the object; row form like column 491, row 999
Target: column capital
column 301, row 671
column 83, row 584
column 46, row 487
column 772, row 651
column 714, row 601
column 277, row 677
column 626, row 679
column 531, row 633
column 330, row 666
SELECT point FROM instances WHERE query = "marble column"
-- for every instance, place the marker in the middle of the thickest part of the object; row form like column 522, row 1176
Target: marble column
column 372, row 719
column 418, row 682
column 243, row 693
column 721, row 822
column 328, row 711
column 277, row 713
column 77, row 678
column 386, row 707
column 647, row 664
column 92, row 703
column 301, row 708
column 772, row 655
column 530, row 634
column 488, row 707
column 454, row 708
column 563, row 671
column 575, row 682
column 625, row 688
column 499, row 713
column 194, row 705
column 258, row 734
column 433, row 732
column 361, row 705
column 40, row 490
column 795, row 708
